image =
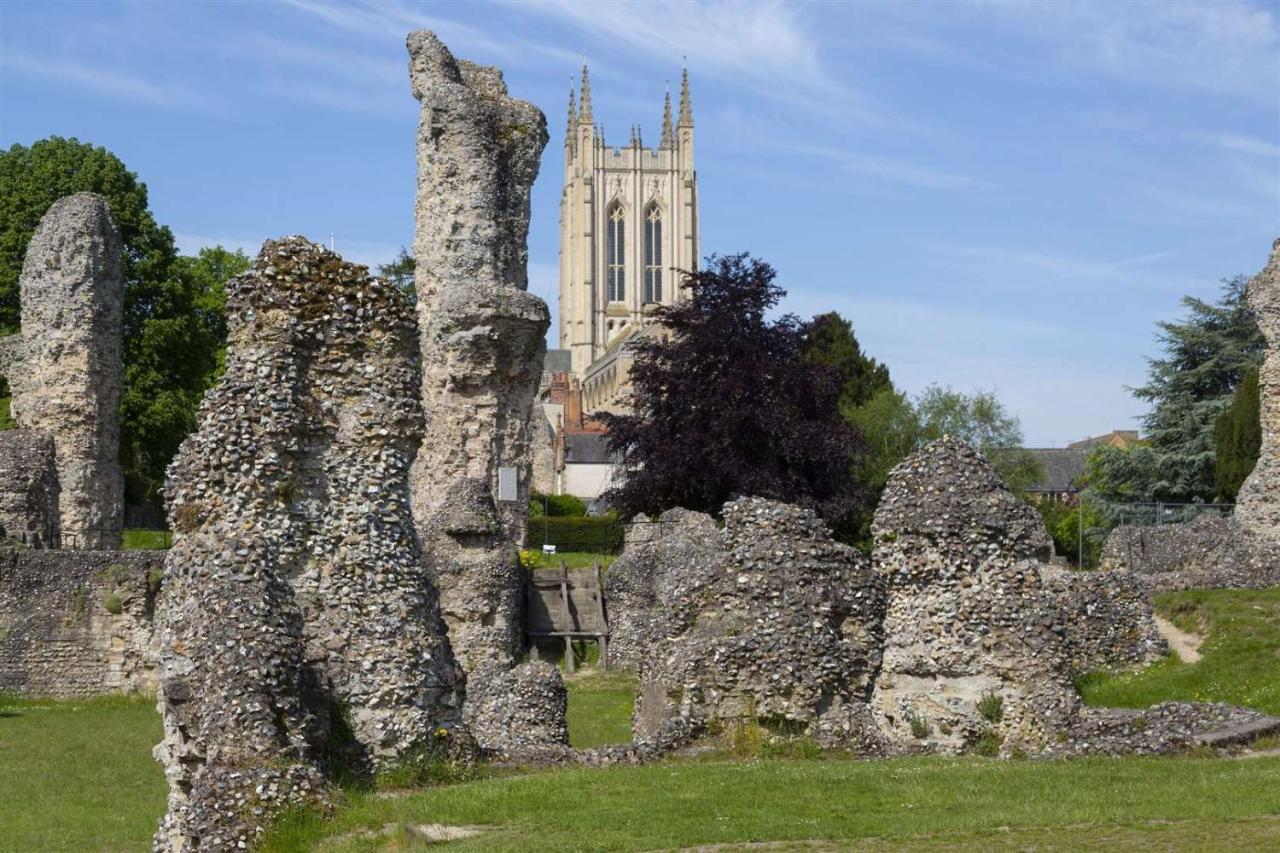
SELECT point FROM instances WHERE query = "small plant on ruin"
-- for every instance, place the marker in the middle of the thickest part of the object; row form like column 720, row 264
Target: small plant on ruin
column 113, row 604
column 987, row 744
column 991, row 708
column 919, row 726
column 154, row 578
column 944, row 728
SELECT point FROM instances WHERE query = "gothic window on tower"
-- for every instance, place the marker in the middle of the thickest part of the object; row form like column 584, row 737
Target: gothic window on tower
column 615, row 273
column 653, row 254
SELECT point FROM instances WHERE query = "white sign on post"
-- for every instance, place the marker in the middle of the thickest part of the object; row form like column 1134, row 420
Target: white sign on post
column 507, row 484
column 548, row 549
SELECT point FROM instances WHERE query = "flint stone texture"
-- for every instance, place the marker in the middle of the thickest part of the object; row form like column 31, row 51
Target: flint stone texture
column 65, row 370
column 1207, row 553
column 529, row 701
column 1164, row 729
column 652, row 588
column 482, row 343
column 296, row 598
column 1258, row 504
column 77, row 623
column 780, row 630
column 967, row 614
column 1107, row 618
column 28, row 489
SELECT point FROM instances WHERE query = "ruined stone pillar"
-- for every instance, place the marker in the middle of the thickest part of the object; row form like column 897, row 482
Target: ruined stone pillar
column 482, row 338
column 299, row 625
column 67, row 375
column 1258, row 504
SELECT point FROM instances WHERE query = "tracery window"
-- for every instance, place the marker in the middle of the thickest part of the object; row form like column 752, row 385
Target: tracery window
column 615, row 254
column 653, row 254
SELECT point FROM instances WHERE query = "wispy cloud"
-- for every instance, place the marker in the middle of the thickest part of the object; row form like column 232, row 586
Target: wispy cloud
column 771, row 46
column 896, row 170
column 1045, row 268
column 1240, row 143
column 394, row 20
column 107, row 82
column 1225, row 46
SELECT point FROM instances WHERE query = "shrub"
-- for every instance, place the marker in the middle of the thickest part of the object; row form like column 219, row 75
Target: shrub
column 919, row 726
column 557, row 506
column 987, row 744
column 113, row 604
column 991, row 708
column 600, row 535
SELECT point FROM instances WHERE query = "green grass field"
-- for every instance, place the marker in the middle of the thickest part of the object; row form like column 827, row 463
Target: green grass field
column 572, row 559
column 138, row 539
column 1240, row 658
column 79, row 776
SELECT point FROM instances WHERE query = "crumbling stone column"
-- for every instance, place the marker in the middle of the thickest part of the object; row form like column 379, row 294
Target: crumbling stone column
column 482, row 342
column 300, row 625
column 1258, row 504
column 65, row 370
column 975, row 653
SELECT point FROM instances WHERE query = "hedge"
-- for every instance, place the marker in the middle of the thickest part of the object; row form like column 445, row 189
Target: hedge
column 568, row 533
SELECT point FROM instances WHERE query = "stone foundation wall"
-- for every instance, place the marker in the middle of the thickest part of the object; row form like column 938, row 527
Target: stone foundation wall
column 77, row 623
column 1106, row 618
column 1208, row 552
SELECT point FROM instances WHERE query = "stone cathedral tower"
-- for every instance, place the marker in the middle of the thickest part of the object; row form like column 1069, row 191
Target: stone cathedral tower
column 628, row 222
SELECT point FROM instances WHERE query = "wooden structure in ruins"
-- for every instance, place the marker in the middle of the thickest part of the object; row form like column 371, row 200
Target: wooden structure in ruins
column 569, row 604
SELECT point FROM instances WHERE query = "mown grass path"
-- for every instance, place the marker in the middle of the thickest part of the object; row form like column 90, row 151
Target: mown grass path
column 79, row 775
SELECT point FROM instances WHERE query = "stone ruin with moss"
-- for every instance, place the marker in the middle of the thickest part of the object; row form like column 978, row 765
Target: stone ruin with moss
column 1241, row 551
column 956, row 636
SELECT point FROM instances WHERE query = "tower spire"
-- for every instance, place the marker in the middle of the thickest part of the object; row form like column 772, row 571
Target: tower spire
column 686, row 103
column 584, row 114
column 666, row 119
column 569, row 134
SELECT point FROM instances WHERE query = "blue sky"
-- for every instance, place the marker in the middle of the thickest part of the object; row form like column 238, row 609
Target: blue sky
column 999, row 194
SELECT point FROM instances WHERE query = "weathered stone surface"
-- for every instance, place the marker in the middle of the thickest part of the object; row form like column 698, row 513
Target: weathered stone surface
column 783, row 631
column 28, row 489
column 296, row 597
column 66, row 371
column 1106, row 617
column 77, row 623
column 542, row 452
column 482, row 344
column 968, row 617
column 1164, row 729
column 520, row 710
column 652, row 588
column 1209, row 552
column 1258, row 504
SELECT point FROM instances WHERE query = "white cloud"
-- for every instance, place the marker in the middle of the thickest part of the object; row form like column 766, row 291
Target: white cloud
column 1240, row 143
column 1044, row 268
column 103, row 81
column 1225, row 46
column 769, row 45
column 896, row 171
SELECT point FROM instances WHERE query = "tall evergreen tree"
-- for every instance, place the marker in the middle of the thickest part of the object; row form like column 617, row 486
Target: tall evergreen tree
column 1239, row 437
column 727, row 405
column 1190, row 385
column 829, row 341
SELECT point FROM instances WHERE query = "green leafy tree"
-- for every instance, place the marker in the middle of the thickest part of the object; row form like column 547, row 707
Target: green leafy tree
column 1189, row 387
column 1238, row 437
column 177, row 354
column 982, row 421
column 829, row 341
column 173, row 327
column 891, row 429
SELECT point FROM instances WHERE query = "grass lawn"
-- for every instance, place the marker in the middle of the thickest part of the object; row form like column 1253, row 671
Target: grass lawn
column 1240, row 658
column 600, row 707
column 78, row 775
column 137, row 539
column 573, row 559
column 1214, row 804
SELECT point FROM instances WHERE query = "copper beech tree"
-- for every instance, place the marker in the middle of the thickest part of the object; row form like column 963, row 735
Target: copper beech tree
column 725, row 404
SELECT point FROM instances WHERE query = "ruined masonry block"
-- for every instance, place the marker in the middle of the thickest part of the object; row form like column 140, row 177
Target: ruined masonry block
column 28, row 489
column 300, row 623
column 482, row 343
column 66, row 373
